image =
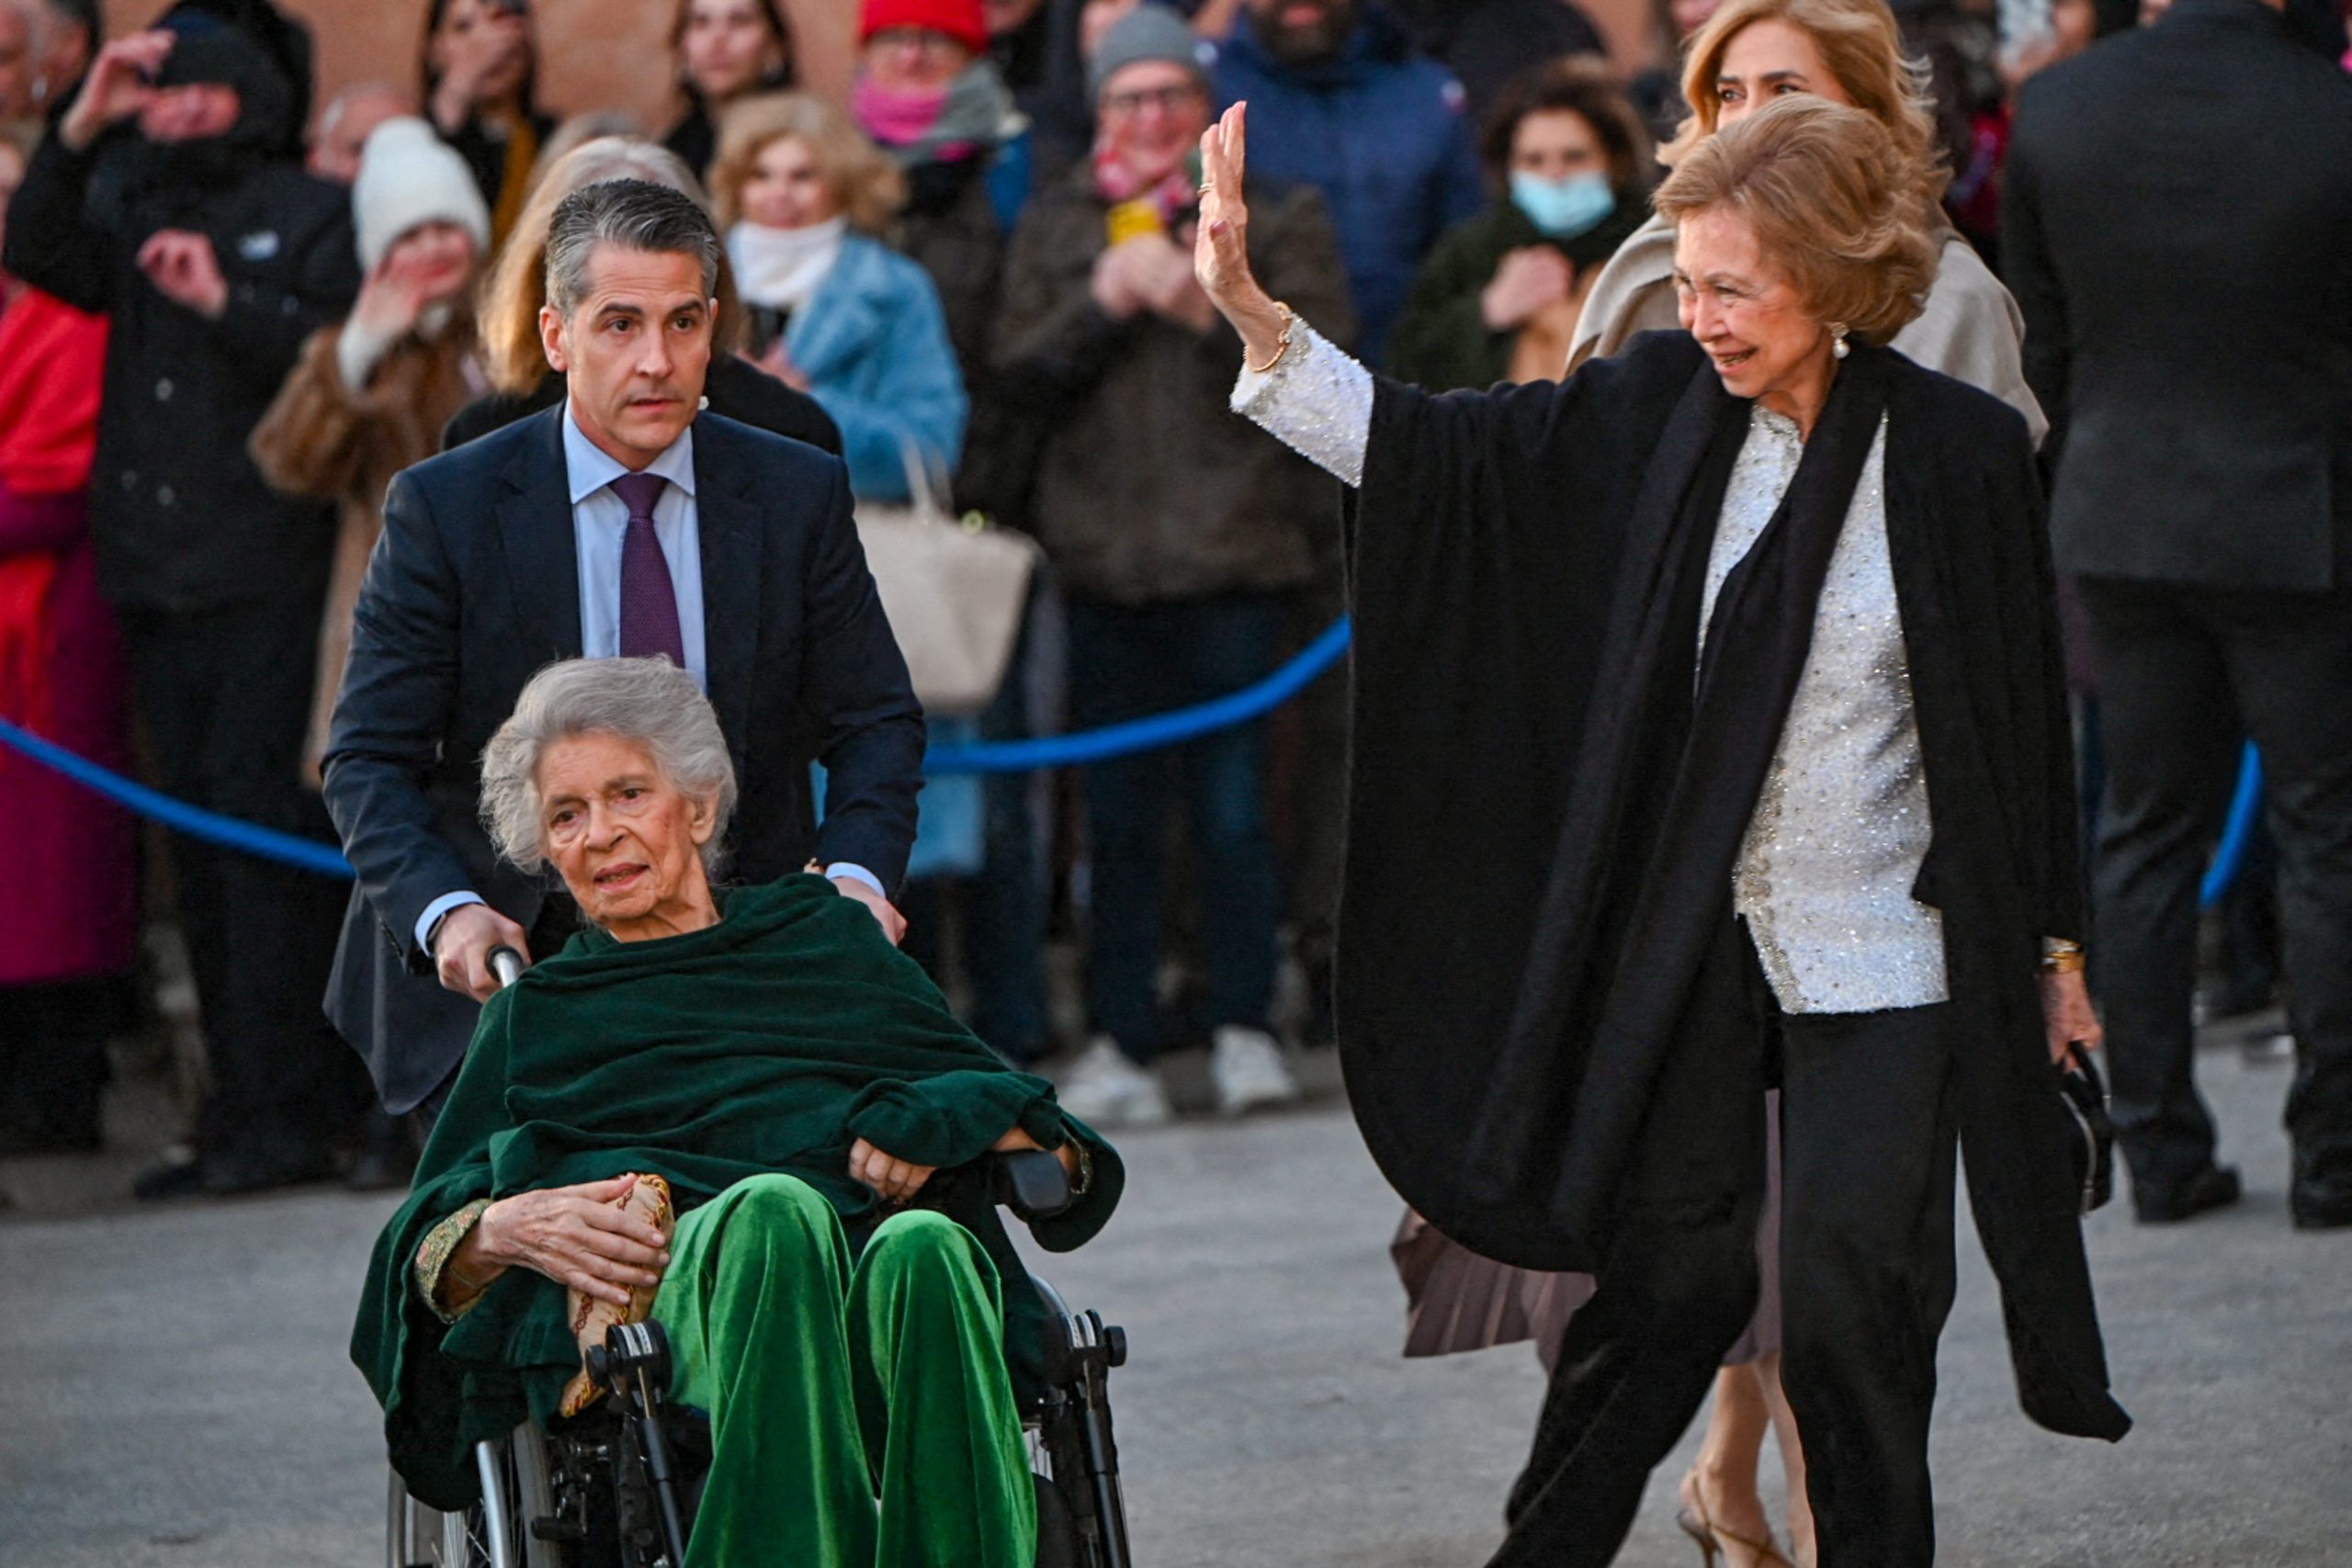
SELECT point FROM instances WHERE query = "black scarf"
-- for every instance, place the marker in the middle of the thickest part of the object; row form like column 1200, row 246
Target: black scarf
column 1667, row 780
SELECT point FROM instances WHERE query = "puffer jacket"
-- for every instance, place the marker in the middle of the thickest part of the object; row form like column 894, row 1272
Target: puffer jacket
column 1149, row 488
column 181, row 517
column 1379, row 131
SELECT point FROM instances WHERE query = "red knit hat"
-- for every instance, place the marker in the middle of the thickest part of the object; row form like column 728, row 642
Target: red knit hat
column 959, row 20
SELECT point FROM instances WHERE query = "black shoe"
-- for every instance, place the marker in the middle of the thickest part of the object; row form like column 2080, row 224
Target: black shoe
column 2321, row 1204
column 230, row 1173
column 2215, row 1187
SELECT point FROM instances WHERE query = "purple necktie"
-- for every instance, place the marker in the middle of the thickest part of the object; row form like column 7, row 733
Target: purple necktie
column 649, row 600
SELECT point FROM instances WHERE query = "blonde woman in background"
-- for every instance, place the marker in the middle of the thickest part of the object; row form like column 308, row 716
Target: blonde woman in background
column 1850, row 51
column 799, row 194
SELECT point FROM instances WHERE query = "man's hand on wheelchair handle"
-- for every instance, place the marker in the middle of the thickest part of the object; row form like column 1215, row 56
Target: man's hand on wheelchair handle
column 894, row 924
column 461, row 949
column 575, row 1235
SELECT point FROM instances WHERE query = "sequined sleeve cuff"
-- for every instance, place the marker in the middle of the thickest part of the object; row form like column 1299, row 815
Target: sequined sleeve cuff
column 1316, row 401
column 441, row 1243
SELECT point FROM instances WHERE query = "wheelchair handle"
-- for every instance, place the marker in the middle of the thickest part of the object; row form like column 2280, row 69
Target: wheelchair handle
column 505, row 966
column 1030, row 1182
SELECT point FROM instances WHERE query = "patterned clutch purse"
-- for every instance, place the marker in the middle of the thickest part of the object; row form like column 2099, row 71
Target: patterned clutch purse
column 648, row 1198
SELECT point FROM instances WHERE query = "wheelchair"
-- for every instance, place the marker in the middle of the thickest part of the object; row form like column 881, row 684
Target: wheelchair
column 616, row 1486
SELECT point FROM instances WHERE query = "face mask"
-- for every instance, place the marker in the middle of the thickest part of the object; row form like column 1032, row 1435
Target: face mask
column 1564, row 209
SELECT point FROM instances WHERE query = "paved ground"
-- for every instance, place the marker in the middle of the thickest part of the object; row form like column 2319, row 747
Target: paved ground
column 172, row 1390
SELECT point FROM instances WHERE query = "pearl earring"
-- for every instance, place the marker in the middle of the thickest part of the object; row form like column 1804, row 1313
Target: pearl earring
column 703, row 403
column 1837, row 345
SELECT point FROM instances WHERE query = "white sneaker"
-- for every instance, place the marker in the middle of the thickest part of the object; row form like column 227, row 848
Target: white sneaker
column 1248, row 1068
column 1105, row 1089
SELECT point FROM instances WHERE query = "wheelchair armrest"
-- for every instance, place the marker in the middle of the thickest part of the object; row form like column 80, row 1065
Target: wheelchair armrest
column 1030, row 1182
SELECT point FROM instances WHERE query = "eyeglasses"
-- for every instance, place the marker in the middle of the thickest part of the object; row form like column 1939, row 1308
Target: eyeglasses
column 928, row 42
column 1169, row 99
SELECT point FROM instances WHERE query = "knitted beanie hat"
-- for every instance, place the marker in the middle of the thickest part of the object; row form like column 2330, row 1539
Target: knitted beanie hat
column 409, row 176
column 959, row 20
column 1148, row 32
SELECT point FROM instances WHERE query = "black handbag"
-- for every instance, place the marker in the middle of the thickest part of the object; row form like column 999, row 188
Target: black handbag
column 2084, row 1094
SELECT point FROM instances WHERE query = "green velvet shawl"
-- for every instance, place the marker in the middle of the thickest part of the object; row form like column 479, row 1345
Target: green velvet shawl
column 770, row 1042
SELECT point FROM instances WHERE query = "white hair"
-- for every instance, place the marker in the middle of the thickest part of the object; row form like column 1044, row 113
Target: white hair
column 648, row 702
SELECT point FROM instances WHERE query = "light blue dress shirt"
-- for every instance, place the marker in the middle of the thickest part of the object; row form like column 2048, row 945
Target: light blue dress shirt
column 599, row 524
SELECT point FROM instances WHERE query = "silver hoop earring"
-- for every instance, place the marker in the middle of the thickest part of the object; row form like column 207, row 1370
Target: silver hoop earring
column 1838, row 348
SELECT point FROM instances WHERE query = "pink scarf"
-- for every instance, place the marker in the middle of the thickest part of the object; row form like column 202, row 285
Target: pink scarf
column 1173, row 192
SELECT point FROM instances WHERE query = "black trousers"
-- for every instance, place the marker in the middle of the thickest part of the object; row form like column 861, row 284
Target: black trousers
column 1867, row 1139
column 2184, row 672
column 224, row 696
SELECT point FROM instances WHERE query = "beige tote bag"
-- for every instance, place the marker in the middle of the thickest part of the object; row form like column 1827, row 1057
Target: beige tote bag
column 954, row 592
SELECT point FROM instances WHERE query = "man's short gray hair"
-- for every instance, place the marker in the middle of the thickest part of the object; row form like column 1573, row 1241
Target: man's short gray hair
column 649, row 702
column 637, row 215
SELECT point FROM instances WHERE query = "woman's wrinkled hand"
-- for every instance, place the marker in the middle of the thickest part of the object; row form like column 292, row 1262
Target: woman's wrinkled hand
column 2068, row 1016
column 1221, row 244
column 895, row 1179
column 576, row 1235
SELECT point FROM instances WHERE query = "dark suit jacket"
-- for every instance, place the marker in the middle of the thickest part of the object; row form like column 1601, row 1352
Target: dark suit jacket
column 475, row 586
column 2177, row 229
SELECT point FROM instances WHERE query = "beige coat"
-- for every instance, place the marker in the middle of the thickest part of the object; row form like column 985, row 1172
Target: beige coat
column 322, row 440
column 1971, row 331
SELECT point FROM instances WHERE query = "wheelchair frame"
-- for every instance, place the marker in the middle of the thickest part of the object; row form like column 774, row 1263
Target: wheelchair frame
column 536, row 1501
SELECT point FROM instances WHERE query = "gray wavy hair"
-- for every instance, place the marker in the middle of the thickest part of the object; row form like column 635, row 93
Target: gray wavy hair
column 650, row 702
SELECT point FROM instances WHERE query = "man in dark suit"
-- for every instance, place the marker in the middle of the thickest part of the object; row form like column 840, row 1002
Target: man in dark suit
column 618, row 522
column 2179, row 232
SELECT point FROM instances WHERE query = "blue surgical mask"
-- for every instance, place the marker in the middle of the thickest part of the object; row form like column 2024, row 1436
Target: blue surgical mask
column 1563, row 208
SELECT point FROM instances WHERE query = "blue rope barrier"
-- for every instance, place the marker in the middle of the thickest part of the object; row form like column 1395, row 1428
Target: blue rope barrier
column 1145, row 734
column 2246, row 811
column 1018, row 756
column 293, row 850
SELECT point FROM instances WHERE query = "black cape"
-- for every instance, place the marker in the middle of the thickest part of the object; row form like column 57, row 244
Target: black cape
column 1509, row 555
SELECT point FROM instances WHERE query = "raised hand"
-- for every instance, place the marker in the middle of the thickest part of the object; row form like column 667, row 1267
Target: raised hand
column 1221, row 249
column 120, row 84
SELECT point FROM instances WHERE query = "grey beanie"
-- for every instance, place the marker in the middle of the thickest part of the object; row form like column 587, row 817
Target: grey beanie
column 1148, row 32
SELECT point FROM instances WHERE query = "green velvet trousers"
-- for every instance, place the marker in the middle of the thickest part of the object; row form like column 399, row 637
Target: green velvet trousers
column 860, row 1410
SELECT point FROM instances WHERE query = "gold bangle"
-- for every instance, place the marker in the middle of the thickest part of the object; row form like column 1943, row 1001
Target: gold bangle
column 2066, row 958
column 1282, row 343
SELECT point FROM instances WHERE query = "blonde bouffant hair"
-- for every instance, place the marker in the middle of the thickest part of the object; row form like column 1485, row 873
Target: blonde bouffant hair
column 1862, row 47
column 1833, row 199
column 866, row 183
column 514, row 356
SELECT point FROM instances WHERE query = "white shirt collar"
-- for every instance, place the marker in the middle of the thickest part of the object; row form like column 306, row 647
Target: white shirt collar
column 591, row 467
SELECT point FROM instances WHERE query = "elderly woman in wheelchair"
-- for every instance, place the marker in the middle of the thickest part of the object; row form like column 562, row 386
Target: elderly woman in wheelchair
column 838, row 1290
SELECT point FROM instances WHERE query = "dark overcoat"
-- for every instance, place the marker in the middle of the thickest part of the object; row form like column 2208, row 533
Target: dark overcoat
column 1502, row 1052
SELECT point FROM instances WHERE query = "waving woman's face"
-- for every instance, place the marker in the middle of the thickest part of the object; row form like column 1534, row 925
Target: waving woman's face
column 627, row 841
column 1746, row 314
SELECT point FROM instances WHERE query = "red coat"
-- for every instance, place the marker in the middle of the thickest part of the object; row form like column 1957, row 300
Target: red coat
column 69, row 909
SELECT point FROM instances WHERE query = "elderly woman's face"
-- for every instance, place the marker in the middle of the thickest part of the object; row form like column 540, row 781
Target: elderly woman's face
column 627, row 841
column 1771, row 59
column 786, row 189
column 1745, row 311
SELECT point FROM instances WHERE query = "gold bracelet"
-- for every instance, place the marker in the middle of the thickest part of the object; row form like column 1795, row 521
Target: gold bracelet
column 1282, row 343
column 2064, row 958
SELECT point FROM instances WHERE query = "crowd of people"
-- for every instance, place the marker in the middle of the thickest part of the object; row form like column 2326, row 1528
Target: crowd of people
column 1011, row 276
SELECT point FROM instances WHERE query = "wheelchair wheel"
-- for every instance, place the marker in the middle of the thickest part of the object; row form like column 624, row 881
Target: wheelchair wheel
column 494, row 1532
